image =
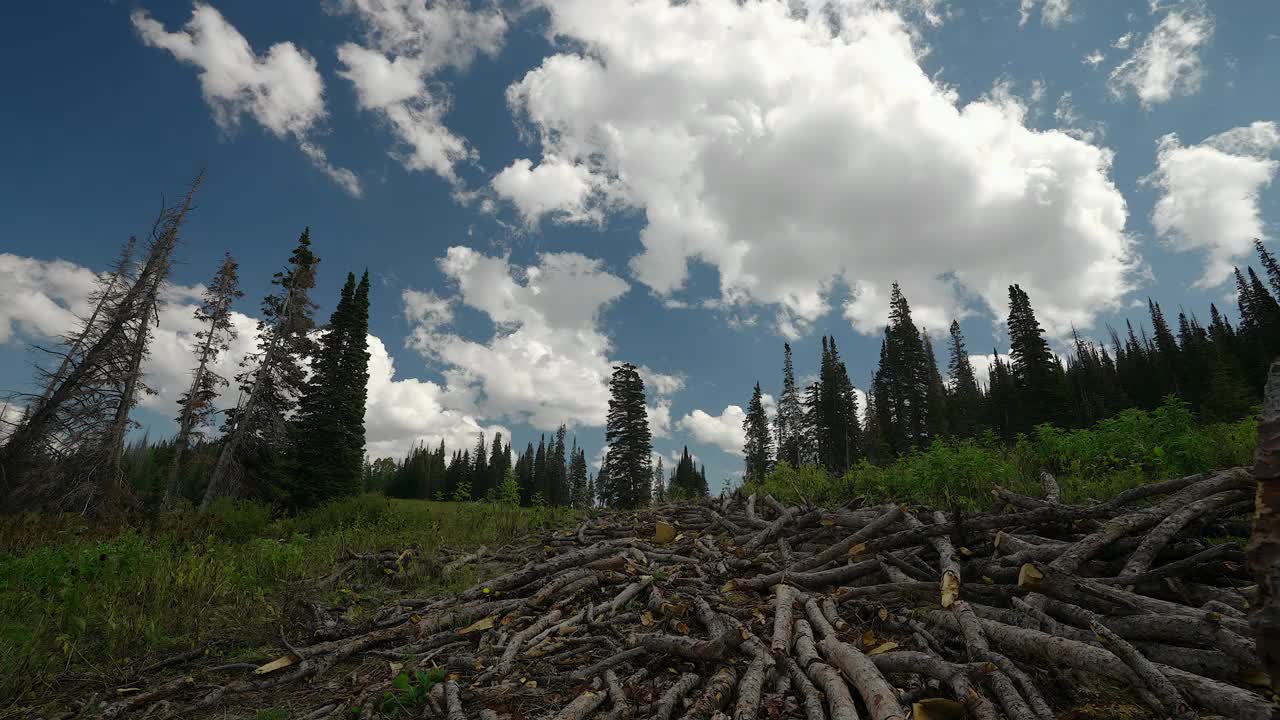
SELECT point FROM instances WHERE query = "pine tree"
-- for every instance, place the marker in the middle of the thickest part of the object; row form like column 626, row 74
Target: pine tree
column 757, row 448
column 902, row 380
column 659, row 483
column 789, row 418
column 1035, row 372
column 606, row 491
column 541, row 481
column 196, row 408
column 964, row 400
column 1166, row 358
column 629, row 438
column 321, row 468
column 579, row 492
column 557, row 467
column 480, row 470
column 525, row 476
column 355, row 377
column 685, row 483
column 1270, row 265
column 935, row 393
column 255, row 431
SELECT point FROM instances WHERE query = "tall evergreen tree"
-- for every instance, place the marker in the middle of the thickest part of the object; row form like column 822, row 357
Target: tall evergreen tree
column 196, row 409
column 480, row 470
column 935, row 393
column 757, row 448
column 557, row 469
column 579, row 493
column 329, row 426
column 902, row 380
column 542, row 489
column 685, row 483
column 255, row 431
column 1035, row 372
column 964, row 400
column 1270, row 265
column 787, row 423
column 525, row 477
column 659, row 483
column 629, row 438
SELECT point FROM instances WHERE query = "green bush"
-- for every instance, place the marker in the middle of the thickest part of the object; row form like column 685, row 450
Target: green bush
column 236, row 520
column 1130, row 449
column 366, row 509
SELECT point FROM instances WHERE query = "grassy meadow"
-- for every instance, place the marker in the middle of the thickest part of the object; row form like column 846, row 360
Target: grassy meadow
column 84, row 608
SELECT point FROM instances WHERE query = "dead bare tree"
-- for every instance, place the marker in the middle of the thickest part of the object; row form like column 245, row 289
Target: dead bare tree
column 197, row 403
column 72, row 436
column 1264, row 543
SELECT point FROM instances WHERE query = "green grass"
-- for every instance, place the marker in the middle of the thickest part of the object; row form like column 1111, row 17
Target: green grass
column 99, row 604
column 1130, row 449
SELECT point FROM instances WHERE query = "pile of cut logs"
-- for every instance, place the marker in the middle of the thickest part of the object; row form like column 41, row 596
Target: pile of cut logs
column 745, row 608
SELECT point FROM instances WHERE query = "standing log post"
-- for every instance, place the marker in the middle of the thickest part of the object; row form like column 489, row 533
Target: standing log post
column 1264, row 544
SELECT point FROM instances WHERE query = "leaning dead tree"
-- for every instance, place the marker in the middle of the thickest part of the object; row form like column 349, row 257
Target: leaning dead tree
column 1264, row 544
column 196, row 404
column 273, row 379
column 744, row 609
column 67, row 448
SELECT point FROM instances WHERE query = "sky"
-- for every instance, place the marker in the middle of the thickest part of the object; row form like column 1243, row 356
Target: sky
column 542, row 189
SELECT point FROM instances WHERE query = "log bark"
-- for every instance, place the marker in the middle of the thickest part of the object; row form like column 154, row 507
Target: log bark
column 1264, row 542
column 876, row 692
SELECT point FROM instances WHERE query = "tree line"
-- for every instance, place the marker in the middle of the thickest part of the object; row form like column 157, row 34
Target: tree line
column 556, row 472
column 1218, row 370
column 295, row 436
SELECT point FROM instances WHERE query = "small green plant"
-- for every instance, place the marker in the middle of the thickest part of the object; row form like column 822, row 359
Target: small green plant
column 410, row 692
column 462, row 493
column 272, row 714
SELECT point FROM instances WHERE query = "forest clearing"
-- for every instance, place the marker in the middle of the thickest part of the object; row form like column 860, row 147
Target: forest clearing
column 737, row 606
column 640, row 360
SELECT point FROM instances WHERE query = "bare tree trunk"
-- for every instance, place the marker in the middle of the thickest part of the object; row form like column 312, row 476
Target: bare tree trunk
column 1264, row 544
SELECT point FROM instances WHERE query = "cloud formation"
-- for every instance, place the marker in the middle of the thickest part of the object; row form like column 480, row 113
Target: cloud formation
column 407, row 42
column 547, row 360
column 1167, row 63
column 791, row 156
column 281, row 89
column 1208, row 194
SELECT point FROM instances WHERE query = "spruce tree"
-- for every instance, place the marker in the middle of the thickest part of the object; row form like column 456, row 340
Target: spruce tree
column 606, row 492
column 659, row 483
column 629, row 438
column 1270, row 265
column 557, row 467
column 1036, row 381
column 757, row 448
column 196, row 409
column 935, row 393
column 685, row 483
column 322, row 467
column 902, row 380
column 480, row 471
column 525, row 477
column 789, row 418
column 541, row 491
column 964, row 401
column 255, row 432
column 579, row 493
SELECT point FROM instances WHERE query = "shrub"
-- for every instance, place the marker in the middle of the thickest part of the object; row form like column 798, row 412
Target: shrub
column 236, row 520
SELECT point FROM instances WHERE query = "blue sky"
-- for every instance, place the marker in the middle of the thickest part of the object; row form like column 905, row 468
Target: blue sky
column 690, row 184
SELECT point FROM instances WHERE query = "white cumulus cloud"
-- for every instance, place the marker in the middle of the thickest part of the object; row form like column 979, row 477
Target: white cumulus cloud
column 281, row 89
column 1167, row 63
column 547, row 361
column 791, row 152
column 723, row 430
column 407, row 43
column 1208, row 194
